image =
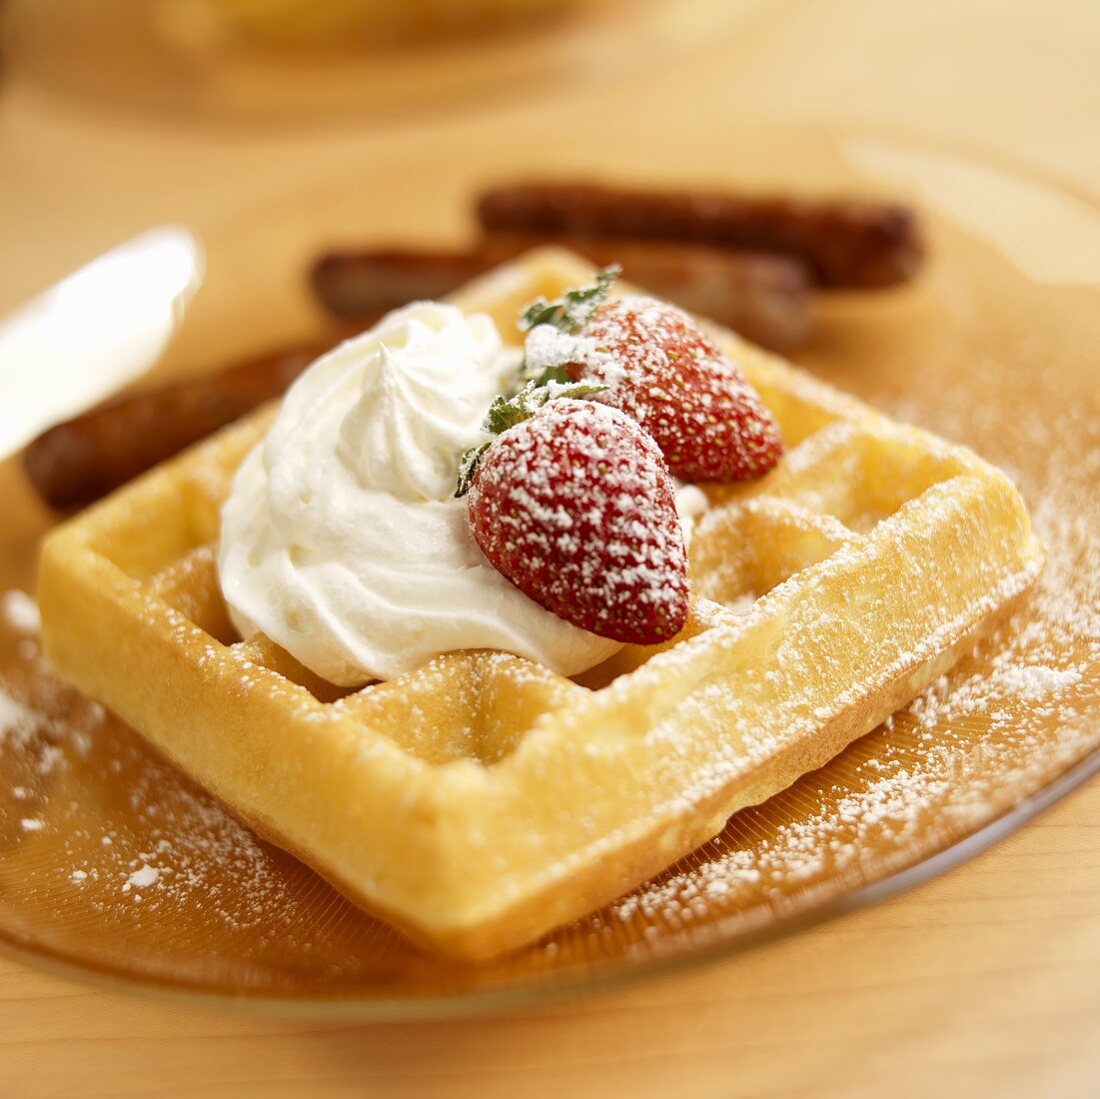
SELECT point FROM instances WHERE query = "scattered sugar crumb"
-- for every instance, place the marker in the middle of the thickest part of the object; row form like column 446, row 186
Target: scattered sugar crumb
column 1034, row 681
column 20, row 611
column 141, row 879
column 14, row 716
column 31, row 824
column 1027, row 698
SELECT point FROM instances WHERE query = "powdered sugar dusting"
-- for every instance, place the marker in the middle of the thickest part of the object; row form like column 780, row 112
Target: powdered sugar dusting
column 141, row 879
column 547, row 346
column 117, row 823
column 662, row 370
column 1010, row 717
column 576, row 507
column 15, row 718
column 20, row 611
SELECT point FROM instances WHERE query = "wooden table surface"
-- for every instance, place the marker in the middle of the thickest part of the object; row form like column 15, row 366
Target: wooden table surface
column 984, row 982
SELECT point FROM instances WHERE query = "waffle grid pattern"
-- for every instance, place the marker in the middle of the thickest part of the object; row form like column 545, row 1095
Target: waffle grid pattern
column 482, row 800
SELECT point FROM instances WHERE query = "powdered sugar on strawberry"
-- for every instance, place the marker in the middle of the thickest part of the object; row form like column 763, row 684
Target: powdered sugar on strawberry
column 575, row 506
column 662, row 370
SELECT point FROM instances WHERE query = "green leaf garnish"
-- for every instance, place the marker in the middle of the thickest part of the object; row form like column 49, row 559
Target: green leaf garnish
column 574, row 309
column 569, row 314
column 467, row 467
column 506, row 412
column 553, row 375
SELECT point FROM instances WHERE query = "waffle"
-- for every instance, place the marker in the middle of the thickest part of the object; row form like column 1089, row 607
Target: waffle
column 483, row 800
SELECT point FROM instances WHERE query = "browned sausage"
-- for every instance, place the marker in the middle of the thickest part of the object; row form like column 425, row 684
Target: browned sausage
column 355, row 285
column 764, row 297
column 86, row 457
column 845, row 243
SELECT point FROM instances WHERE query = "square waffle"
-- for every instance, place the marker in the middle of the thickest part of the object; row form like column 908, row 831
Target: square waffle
column 482, row 800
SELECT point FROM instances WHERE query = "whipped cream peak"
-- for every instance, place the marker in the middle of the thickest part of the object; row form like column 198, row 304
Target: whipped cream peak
column 411, row 422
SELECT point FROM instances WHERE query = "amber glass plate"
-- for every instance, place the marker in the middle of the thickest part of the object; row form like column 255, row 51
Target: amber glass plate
column 113, row 865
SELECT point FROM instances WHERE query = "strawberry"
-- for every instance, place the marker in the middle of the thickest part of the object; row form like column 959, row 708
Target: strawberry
column 661, row 369
column 573, row 503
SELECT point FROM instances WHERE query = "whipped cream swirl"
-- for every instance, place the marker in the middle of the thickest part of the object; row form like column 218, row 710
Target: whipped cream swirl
column 341, row 539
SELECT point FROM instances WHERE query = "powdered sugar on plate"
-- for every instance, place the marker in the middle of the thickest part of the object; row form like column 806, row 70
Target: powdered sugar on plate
column 142, row 878
column 97, row 812
column 1015, row 714
column 20, row 611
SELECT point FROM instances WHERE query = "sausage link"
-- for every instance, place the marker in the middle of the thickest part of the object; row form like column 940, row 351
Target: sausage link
column 844, row 243
column 86, row 457
column 764, row 297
